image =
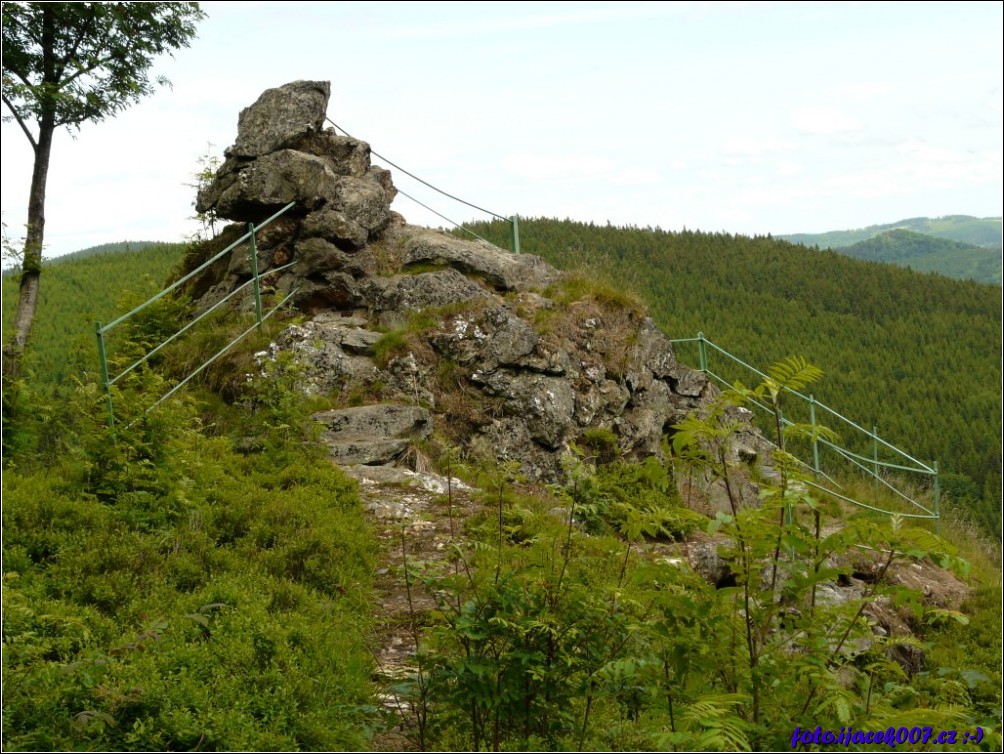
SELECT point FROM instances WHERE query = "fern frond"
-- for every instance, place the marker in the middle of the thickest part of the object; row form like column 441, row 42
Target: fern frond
column 793, row 373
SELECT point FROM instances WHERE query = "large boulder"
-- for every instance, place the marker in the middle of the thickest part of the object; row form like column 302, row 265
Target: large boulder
column 283, row 154
column 410, row 293
column 266, row 185
column 373, row 434
column 501, row 269
column 279, row 117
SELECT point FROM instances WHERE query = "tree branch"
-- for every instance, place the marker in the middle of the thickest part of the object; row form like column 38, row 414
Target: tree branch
column 22, row 77
column 27, row 32
column 82, row 71
column 61, row 63
column 20, row 122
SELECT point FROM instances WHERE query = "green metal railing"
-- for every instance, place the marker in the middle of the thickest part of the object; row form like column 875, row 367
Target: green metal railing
column 871, row 466
column 260, row 316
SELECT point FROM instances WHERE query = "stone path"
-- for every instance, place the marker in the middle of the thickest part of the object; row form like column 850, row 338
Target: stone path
column 411, row 516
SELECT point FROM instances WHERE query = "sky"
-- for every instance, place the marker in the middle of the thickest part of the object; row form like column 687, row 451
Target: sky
column 742, row 117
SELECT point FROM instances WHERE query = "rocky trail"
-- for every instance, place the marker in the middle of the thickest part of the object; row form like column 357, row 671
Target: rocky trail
column 411, row 515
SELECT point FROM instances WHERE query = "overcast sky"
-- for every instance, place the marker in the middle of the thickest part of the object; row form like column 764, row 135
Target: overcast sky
column 749, row 118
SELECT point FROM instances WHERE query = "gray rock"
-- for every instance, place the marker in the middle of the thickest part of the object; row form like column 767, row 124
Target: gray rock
column 347, row 450
column 334, row 226
column 707, row 563
column 555, row 362
column 383, row 178
column 545, row 404
column 329, row 363
column 279, row 116
column 315, row 256
column 653, row 352
column 334, row 291
column 508, row 439
column 501, row 269
column 266, row 185
column 385, row 420
column 347, row 156
column 598, row 404
column 363, row 200
column 360, row 342
column 687, row 382
column 491, row 338
column 226, row 176
column 405, row 293
column 373, row 434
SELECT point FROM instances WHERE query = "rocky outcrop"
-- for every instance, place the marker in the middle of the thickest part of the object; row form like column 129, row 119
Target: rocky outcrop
column 373, row 434
column 489, row 347
column 501, row 269
column 282, row 155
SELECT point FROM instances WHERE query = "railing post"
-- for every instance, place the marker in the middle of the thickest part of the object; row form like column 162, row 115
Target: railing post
column 254, row 272
column 815, row 435
column 875, row 467
column 702, row 353
column 937, row 501
column 102, row 356
column 514, row 224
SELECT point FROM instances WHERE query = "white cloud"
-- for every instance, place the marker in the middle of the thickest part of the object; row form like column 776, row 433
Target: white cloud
column 498, row 24
column 862, row 90
column 824, row 121
column 748, row 146
column 635, row 177
column 539, row 167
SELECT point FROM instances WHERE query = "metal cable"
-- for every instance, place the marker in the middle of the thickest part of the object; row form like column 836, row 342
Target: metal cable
column 434, row 188
column 438, row 214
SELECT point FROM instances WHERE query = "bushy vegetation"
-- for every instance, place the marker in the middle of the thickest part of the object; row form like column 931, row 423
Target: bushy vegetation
column 550, row 637
column 198, row 578
column 917, row 355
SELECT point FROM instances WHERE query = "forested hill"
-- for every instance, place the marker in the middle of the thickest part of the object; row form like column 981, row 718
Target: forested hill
column 958, row 246
column 95, row 284
column 978, row 231
column 925, row 253
column 917, row 355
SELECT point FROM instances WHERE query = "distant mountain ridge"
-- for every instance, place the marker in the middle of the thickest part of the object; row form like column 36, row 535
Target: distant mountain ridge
column 957, row 246
column 925, row 253
column 104, row 248
column 978, row 231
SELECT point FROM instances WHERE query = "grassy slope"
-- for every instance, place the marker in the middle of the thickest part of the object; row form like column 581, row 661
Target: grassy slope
column 925, row 253
column 163, row 589
column 80, row 289
column 958, row 246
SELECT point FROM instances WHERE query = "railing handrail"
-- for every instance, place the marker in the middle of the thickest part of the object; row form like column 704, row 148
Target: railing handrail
column 255, row 281
column 873, row 463
column 193, row 273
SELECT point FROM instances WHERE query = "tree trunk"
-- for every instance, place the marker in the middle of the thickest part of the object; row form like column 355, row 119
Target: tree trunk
column 31, row 265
